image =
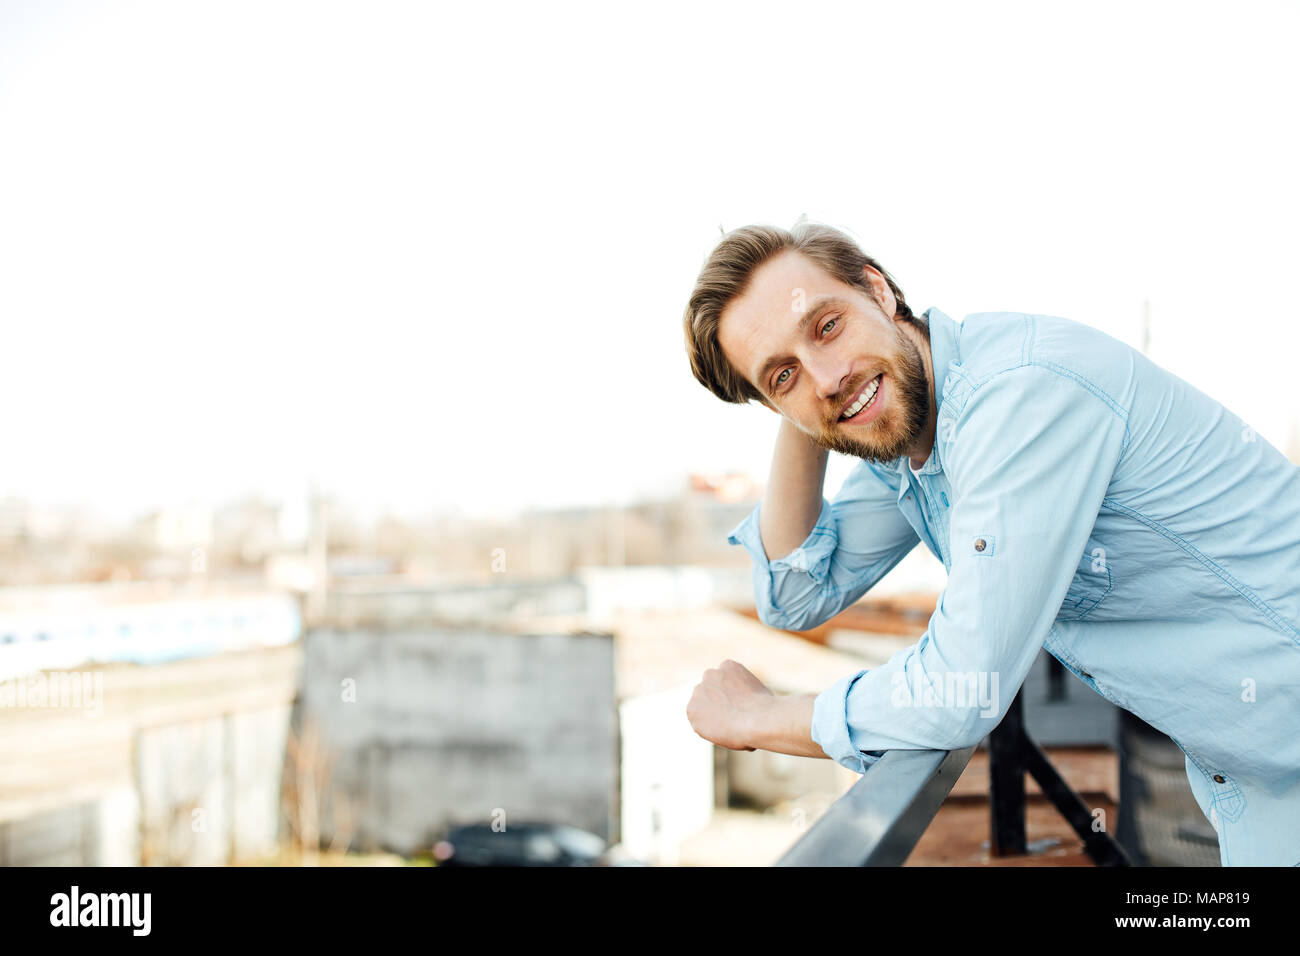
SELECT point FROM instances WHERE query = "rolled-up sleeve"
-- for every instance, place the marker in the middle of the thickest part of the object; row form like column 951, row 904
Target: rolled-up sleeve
column 830, row 729
column 1031, row 457
column 857, row 539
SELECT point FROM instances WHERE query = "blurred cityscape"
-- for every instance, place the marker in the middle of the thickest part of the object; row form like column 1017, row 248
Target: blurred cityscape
column 268, row 541
column 269, row 682
column 265, row 680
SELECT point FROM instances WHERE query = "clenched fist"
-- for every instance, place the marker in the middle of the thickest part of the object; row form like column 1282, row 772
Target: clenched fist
column 727, row 704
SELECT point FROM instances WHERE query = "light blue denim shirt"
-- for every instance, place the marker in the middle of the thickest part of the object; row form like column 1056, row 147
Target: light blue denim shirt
column 1085, row 500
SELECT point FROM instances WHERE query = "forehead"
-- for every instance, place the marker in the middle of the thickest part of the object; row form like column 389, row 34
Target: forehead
column 762, row 321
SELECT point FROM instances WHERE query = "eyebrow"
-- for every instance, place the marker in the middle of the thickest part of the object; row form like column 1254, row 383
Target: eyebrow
column 819, row 305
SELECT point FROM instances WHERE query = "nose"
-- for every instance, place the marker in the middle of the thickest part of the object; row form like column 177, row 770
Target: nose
column 830, row 375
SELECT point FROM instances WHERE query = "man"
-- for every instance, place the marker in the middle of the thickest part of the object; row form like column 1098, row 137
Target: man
column 1080, row 497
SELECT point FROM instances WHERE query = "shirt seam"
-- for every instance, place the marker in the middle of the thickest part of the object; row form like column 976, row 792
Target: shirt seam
column 1110, row 586
column 1027, row 360
column 1027, row 346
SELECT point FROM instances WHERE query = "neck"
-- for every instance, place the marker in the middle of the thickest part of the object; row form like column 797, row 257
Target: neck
column 919, row 452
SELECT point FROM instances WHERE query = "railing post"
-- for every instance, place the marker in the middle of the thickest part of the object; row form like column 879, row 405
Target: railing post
column 1012, row 753
column 1007, row 783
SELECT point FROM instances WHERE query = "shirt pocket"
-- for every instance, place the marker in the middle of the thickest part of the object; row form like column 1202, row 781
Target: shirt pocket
column 1091, row 583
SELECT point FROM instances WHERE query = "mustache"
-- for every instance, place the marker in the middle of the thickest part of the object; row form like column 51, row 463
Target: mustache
column 840, row 401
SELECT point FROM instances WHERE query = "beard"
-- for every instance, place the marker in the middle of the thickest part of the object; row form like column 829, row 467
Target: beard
column 891, row 433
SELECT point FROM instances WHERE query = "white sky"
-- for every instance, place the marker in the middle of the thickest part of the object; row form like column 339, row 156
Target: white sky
column 437, row 255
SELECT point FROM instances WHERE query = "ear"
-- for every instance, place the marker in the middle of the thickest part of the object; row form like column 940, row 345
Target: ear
column 880, row 291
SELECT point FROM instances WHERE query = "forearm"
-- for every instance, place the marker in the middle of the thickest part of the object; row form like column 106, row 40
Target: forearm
column 785, row 726
column 793, row 498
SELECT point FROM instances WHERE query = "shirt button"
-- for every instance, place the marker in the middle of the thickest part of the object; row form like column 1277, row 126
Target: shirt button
column 1218, row 778
column 980, row 544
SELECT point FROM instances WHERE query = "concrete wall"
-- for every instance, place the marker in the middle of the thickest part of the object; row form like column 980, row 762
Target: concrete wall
column 121, row 786
column 207, row 793
column 500, row 600
column 452, row 725
column 209, row 790
column 98, row 832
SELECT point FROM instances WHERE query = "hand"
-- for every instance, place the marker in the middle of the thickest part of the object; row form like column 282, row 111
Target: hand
column 725, row 703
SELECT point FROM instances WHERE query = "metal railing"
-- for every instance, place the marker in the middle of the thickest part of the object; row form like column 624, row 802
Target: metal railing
column 880, row 819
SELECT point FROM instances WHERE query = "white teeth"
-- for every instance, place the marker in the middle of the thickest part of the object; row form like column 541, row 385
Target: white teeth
column 864, row 401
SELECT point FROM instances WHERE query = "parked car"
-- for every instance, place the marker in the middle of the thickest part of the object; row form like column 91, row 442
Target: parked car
column 524, row 844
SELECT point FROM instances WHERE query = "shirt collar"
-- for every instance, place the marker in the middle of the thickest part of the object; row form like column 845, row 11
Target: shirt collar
column 943, row 350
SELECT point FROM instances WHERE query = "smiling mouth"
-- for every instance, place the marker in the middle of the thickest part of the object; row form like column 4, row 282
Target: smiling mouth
column 864, row 399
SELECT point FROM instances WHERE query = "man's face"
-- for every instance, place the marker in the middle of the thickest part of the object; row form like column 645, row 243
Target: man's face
column 812, row 371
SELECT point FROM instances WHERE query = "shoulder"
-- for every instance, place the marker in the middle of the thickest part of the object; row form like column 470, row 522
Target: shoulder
column 992, row 344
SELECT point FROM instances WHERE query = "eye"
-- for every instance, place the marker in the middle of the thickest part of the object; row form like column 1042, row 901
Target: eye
column 781, row 379
column 829, row 324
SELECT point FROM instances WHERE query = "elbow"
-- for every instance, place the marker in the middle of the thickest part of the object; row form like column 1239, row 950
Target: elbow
column 973, row 727
column 773, row 617
column 961, row 741
column 799, row 618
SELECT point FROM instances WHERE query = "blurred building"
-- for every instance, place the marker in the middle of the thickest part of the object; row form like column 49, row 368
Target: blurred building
column 46, row 628
column 170, row 745
column 176, row 529
column 433, row 725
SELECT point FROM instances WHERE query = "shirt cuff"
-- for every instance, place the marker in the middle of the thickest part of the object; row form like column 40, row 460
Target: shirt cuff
column 813, row 557
column 830, row 727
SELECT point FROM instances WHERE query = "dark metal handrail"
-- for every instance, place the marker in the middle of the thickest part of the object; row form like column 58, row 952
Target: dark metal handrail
column 878, row 821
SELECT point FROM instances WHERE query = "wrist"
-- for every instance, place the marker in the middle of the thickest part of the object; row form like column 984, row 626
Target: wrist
column 784, row 726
